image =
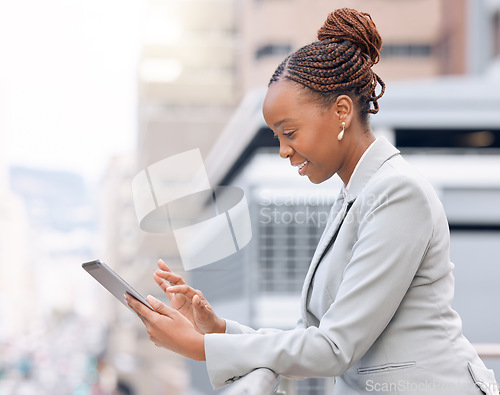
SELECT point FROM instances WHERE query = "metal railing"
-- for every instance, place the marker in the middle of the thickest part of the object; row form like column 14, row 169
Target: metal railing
column 258, row 382
column 488, row 350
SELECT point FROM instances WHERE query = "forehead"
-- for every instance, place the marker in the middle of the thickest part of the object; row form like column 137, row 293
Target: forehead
column 282, row 91
column 286, row 100
column 283, row 97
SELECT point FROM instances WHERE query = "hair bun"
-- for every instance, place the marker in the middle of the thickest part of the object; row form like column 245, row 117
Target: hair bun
column 357, row 27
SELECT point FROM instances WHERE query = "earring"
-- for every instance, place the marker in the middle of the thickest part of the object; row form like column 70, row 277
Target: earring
column 341, row 134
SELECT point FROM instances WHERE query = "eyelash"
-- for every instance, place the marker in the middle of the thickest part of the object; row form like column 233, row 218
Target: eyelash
column 289, row 134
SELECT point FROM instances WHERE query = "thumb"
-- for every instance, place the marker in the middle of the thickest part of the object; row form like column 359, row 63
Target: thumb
column 200, row 307
column 159, row 306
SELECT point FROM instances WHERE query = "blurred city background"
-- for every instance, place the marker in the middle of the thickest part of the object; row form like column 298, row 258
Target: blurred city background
column 92, row 92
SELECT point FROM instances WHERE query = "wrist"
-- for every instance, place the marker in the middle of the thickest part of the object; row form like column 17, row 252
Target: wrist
column 199, row 348
column 221, row 326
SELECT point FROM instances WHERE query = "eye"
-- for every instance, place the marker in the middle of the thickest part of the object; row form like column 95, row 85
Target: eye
column 275, row 136
column 289, row 134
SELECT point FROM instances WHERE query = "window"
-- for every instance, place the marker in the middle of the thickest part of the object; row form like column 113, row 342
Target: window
column 406, row 50
column 287, row 237
column 447, row 138
column 273, row 50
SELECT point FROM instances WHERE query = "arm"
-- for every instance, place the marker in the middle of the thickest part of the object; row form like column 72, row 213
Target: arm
column 394, row 232
column 234, row 328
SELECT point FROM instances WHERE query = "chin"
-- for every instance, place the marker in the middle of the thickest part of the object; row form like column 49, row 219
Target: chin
column 316, row 180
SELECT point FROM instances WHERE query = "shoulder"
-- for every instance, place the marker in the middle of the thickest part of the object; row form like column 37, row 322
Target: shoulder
column 397, row 175
column 397, row 183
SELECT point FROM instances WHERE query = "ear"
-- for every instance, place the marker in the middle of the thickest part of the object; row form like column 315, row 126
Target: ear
column 344, row 109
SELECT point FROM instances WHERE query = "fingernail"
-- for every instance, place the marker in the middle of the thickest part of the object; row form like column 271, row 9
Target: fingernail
column 151, row 299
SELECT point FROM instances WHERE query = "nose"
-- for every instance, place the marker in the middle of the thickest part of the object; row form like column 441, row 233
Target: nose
column 285, row 150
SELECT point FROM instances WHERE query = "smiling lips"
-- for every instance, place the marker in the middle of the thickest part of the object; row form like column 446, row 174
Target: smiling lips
column 301, row 167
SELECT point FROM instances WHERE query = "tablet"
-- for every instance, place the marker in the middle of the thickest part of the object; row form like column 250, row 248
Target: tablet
column 113, row 282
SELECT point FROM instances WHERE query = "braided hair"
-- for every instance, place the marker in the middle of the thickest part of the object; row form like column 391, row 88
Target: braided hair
column 339, row 62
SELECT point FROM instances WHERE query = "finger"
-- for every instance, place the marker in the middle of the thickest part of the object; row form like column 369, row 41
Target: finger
column 203, row 311
column 160, row 307
column 162, row 265
column 172, row 278
column 139, row 308
column 198, row 304
column 161, row 282
column 164, row 285
column 142, row 318
column 185, row 290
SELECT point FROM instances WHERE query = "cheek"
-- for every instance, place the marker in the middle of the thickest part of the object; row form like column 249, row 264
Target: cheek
column 328, row 162
column 324, row 153
column 325, row 137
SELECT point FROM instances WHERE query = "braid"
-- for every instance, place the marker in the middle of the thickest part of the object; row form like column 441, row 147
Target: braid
column 340, row 62
column 279, row 71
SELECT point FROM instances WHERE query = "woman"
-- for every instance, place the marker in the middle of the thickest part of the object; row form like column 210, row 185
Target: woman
column 376, row 302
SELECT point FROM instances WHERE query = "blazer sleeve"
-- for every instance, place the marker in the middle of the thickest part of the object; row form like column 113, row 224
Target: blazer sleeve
column 395, row 228
column 233, row 327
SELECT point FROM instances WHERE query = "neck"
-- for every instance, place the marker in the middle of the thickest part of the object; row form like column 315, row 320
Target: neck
column 355, row 150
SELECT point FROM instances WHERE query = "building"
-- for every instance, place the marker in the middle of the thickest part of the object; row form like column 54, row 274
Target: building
column 421, row 38
column 187, row 76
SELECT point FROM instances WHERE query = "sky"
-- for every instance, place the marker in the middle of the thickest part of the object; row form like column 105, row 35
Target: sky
column 68, row 82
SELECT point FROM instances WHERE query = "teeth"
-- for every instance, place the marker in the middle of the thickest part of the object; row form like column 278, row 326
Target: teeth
column 302, row 164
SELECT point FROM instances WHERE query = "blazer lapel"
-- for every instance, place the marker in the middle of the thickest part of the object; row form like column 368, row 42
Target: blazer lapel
column 334, row 219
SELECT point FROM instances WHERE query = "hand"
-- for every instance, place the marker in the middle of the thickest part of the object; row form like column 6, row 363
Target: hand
column 168, row 328
column 189, row 302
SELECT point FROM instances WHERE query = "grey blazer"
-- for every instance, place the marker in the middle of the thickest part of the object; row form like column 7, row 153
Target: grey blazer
column 376, row 311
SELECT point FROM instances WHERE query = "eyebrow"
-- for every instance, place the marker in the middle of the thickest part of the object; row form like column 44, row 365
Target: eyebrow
column 279, row 123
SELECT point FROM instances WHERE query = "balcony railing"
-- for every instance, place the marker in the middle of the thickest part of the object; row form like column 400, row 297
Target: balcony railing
column 258, row 382
column 486, row 350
